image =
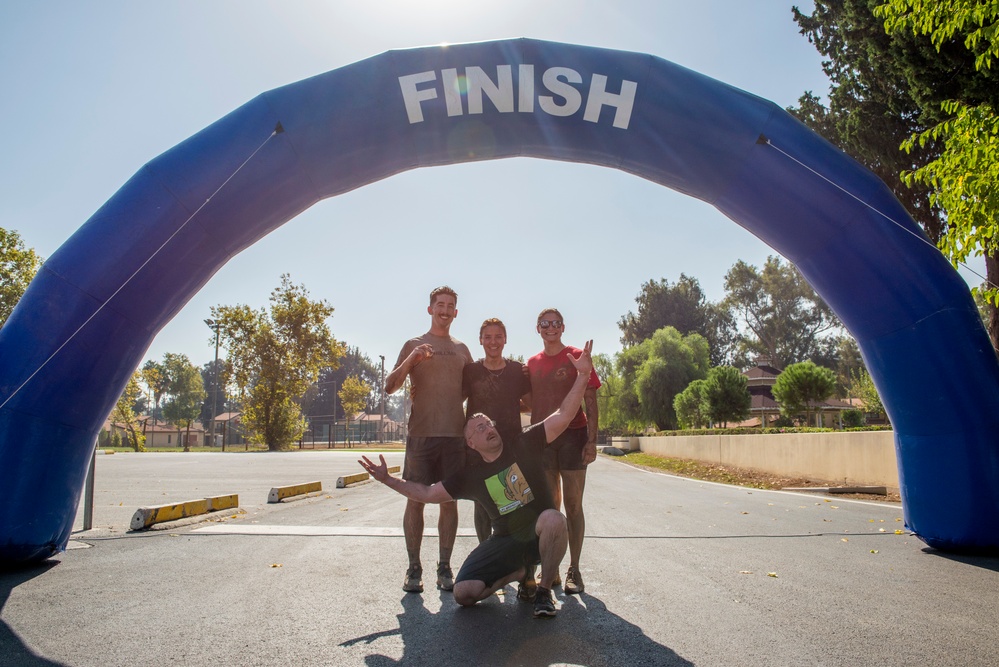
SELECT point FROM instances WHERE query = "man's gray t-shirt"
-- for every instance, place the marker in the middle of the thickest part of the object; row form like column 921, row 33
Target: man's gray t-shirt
column 436, row 387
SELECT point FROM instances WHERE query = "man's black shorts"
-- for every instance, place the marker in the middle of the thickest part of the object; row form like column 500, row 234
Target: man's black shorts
column 566, row 451
column 429, row 460
column 500, row 556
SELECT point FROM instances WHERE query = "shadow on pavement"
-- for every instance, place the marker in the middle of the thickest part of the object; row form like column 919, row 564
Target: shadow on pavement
column 13, row 652
column 504, row 631
column 986, row 562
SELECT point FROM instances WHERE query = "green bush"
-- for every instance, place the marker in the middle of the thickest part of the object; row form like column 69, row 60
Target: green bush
column 853, row 418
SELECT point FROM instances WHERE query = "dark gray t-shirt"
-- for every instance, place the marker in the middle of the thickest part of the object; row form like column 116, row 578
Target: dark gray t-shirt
column 436, row 387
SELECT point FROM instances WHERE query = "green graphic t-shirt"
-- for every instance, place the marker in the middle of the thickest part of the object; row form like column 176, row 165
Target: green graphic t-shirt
column 513, row 488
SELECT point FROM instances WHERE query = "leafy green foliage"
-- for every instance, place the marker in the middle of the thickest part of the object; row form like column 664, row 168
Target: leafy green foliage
column 692, row 406
column 802, row 385
column 185, row 390
column 944, row 20
column 354, row 395
column 892, row 88
column 321, row 397
column 656, row 370
column 18, row 266
column 612, row 418
column 780, row 313
column 273, row 357
column 727, row 394
column 862, row 387
column 962, row 179
column 123, row 415
column 154, row 376
column 682, row 306
column 853, row 418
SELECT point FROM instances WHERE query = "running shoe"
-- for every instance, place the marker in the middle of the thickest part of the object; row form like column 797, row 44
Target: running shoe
column 445, row 579
column 414, row 580
column 573, row 582
column 527, row 589
column 544, row 605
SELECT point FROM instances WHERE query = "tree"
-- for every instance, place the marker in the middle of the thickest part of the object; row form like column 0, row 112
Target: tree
column 656, row 370
column 122, row 412
column 273, row 357
column 215, row 396
column 692, row 406
column 320, row 399
column 893, row 89
column 155, row 378
column 963, row 177
column 186, row 393
column 945, row 20
column 727, row 394
column 682, row 306
column 884, row 88
column 18, row 265
column 862, row 387
column 781, row 314
column 609, row 393
column 841, row 355
column 800, row 386
column 354, row 395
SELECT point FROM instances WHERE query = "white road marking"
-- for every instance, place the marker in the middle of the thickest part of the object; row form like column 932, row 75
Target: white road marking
column 350, row 531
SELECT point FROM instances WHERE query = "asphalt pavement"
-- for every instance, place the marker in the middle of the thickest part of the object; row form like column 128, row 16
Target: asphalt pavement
column 677, row 572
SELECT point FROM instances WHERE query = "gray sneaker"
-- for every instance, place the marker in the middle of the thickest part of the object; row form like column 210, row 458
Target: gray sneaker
column 445, row 579
column 544, row 605
column 573, row 582
column 414, row 580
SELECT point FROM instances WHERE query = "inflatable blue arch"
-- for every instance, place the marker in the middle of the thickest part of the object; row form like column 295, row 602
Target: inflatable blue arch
column 88, row 318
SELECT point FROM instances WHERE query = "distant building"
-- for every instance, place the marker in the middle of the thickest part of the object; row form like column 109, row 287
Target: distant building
column 764, row 409
column 159, row 433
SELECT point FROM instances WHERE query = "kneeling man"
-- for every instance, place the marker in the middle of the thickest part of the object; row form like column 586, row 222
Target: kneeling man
column 511, row 485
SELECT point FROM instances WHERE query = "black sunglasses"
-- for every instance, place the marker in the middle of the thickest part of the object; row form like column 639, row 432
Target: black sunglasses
column 544, row 324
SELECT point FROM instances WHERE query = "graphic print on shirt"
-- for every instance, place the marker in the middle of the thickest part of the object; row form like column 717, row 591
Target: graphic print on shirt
column 509, row 489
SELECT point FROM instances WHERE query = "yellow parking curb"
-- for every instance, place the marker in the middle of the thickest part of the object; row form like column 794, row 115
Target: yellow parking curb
column 279, row 493
column 342, row 482
column 147, row 516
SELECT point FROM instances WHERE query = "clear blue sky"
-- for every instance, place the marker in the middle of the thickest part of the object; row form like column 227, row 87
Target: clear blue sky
column 92, row 91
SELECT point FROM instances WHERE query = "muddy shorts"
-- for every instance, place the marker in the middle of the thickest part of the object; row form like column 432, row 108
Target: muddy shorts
column 566, row 452
column 500, row 556
column 429, row 460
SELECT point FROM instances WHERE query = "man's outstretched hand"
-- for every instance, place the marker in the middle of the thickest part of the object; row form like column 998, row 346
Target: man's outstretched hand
column 583, row 364
column 379, row 472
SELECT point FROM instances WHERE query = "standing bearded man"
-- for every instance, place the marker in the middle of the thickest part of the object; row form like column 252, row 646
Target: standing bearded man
column 435, row 446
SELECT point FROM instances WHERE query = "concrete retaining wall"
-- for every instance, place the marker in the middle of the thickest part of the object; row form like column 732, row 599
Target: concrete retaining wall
column 865, row 458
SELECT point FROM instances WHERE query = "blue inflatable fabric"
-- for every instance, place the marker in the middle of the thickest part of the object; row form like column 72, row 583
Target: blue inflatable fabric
column 130, row 268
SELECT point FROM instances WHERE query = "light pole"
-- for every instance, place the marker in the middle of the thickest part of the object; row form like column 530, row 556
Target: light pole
column 214, row 325
column 381, row 424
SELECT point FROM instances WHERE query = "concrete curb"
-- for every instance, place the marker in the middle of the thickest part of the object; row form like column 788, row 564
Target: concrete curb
column 342, row 482
column 147, row 516
column 200, row 518
column 280, row 493
column 872, row 490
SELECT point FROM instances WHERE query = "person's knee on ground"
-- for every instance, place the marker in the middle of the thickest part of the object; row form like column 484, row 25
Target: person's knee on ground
column 470, row 591
column 467, row 593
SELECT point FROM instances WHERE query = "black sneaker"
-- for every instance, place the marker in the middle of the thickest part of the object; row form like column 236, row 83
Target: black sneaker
column 445, row 579
column 414, row 580
column 527, row 589
column 573, row 582
column 544, row 605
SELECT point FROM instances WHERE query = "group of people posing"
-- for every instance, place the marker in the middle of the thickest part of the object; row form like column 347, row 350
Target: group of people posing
column 466, row 442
